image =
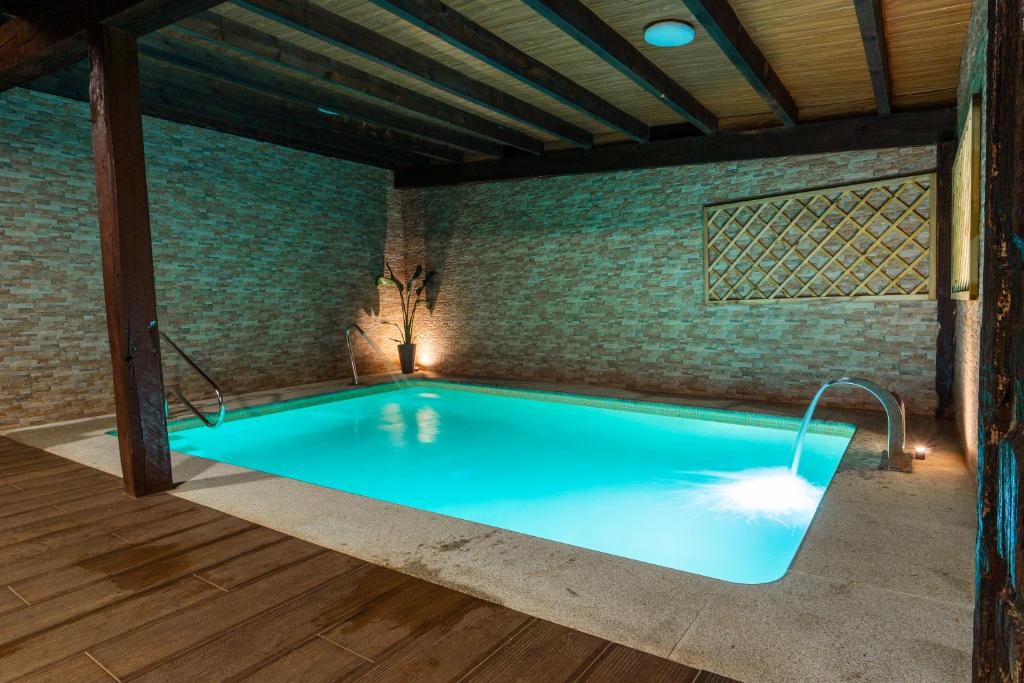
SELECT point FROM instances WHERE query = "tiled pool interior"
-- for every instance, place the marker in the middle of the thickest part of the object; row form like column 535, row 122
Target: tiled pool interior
column 701, row 490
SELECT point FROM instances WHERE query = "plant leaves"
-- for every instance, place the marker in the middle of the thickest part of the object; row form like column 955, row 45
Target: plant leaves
column 394, row 280
column 415, row 274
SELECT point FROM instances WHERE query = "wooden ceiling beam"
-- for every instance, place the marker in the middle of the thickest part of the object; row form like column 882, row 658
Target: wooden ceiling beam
column 414, row 134
column 315, row 21
column 461, row 32
column 578, row 21
column 54, row 36
column 872, row 33
column 923, row 127
column 173, row 103
column 253, row 43
column 724, row 27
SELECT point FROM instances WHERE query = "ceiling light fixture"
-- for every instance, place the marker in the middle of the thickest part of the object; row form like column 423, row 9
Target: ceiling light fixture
column 669, row 33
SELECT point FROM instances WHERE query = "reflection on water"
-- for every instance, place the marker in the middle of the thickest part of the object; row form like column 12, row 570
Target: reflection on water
column 772, row 493
column 393, row 422
column 428, row 423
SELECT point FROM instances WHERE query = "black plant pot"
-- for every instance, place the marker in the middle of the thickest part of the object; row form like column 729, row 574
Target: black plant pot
column 407, row 356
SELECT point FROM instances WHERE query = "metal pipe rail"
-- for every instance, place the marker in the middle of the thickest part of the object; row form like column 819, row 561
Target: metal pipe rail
column 348, row 343
column 221, row 410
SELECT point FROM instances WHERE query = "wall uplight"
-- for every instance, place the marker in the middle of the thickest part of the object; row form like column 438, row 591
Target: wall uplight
column 920, row 452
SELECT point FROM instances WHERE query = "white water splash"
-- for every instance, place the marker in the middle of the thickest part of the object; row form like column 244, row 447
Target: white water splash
column 774, row 494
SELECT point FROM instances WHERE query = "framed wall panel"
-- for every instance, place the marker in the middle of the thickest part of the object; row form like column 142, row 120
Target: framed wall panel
column 967, row 207
column 870, row 240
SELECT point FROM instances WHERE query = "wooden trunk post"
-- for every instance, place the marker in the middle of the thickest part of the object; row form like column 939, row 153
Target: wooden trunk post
column 129, row 290
column 945, row 341
column 998, row 617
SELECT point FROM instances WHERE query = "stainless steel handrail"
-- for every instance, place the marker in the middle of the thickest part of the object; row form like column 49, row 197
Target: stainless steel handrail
column 188, row 404
column 348, row 343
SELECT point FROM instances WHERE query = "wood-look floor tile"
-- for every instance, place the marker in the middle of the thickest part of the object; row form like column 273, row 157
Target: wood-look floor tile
column 73, row 604
column 620, row 663
column 286, row 552
column 126, row 557
column 451, row 649
column 316, row 661
column 77, row 669
column 396, row 619
column 543, row 653
column 149, row 646
column 279, row 630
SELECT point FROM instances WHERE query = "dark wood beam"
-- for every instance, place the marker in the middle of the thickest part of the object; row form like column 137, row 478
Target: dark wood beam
column 578, row 21
column 459, row 31
column 196, row 101
column 251, row 42
column 129, row 289
column 999, row 585
column 945, row 341
column 314, row 20
column 724, row 27
column 361, row 118
column 923, row 127
column 54, row 37
column 872, row 33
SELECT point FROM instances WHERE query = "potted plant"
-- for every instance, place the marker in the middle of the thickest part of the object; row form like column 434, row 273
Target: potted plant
column 411, row 295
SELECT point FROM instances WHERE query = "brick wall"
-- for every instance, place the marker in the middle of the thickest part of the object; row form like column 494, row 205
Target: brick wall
column 599, row 279
column 262, row 253
column 968, row 313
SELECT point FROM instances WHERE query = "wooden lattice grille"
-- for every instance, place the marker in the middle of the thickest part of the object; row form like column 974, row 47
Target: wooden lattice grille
column 866, row 240
column 967, row 207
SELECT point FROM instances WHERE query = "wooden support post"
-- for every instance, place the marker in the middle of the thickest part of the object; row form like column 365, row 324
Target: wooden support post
column 945, row 341
column 128, row 284
column 999, row 593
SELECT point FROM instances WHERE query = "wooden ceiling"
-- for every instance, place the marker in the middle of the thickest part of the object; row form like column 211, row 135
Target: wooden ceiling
column 408, row 95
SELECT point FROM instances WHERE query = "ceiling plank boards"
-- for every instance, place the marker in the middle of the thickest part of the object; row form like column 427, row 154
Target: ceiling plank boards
column 445, row 23
column 578, row 21
column 872, row 31
column 251, row 42
column 418, row 135
column 923, row 127
column 205, row 108
column 314, row 20
column 54, row 37
column 724, row 27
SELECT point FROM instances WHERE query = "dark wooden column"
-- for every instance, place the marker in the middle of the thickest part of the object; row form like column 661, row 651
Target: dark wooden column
column 128, row 260
column 999, row 606
column 945, row 341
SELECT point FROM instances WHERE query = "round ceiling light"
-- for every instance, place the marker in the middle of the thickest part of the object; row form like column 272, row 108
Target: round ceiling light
column 669, row 33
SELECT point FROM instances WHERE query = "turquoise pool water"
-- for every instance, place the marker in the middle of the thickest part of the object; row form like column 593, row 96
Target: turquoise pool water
column 702, row 491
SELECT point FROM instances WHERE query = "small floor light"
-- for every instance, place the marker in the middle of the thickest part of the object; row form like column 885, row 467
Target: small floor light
column 920, row 452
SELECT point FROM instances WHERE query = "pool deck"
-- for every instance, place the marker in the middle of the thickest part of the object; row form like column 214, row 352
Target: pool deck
column 96, row 586
column 881, row 589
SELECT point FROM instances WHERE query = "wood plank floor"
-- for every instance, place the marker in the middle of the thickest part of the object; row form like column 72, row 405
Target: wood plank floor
column 95, row 586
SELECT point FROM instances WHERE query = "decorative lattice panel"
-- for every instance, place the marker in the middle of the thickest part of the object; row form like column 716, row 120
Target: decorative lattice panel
column 967, row 207
column 864, row 241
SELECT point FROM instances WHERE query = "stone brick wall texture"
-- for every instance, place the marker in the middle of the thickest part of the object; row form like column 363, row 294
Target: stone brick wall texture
column 968, row 313
column 599, row 279
column 262, row 254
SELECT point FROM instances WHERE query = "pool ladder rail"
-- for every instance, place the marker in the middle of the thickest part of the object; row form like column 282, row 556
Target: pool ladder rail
column 221, row 410
column 348, row 344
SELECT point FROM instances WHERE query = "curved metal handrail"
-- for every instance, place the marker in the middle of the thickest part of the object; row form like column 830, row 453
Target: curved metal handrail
column 895, row 457
column 221, row 410
column 348, row 343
